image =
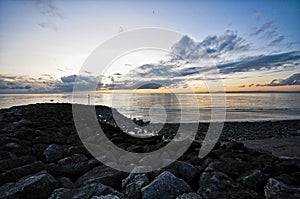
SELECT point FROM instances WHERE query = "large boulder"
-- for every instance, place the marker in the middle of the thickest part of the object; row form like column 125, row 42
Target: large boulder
column 253, row 179
column 102, row 174
column 133, row 184
column 52, row 153
column 277, row 190
column 232, row 168
column 73, row 166
column 65, row 182
column 8, row 164
column 219, row 185
column 87, row 191
column 186, row 171
column 15, row 174
column 165, row 186
column 39, row 186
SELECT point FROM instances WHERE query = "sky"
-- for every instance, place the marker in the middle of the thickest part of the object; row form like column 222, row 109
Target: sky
column 255, row 44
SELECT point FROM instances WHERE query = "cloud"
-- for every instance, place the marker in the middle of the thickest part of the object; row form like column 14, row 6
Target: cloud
column 276, row 41
column 289, row 81
column 269, row 32
column 26, row 84
column 262, row 62
column 211, row 46
column 81, row 82
column 268, row 26
column 46, row 83
column 48, row 25
column 48, row 8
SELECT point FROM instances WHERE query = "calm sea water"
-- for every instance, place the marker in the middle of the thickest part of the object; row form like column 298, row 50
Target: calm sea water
column 167, row 107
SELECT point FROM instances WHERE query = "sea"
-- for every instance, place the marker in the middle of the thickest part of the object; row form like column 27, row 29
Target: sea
column 175, row 108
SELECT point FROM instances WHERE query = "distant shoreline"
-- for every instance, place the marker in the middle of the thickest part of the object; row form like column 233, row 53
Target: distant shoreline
column 104, row 93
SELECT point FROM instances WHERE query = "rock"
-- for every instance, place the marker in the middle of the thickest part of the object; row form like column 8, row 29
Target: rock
column 39, row 185
column 189, row 196
column 65, row 183
column 11, row 146
column 7, row 155
column 102, row 174
column 62, row 193
column 94, row 163
column 87, row 191
column 16, row 162
column 23, row 122
column 277, row 190
column 165, row 186
column 95, row 189
column 77, row 150
column 216, row 179
column 253, row 179
column 16, row 173
column 52, row 153
column 219, row 185
column 73, row 166
column 109, row 196
column 235, row 146
column 53, row 169
column 133, row 184
column 186, row 171
column 15, row 125
column 229, row 169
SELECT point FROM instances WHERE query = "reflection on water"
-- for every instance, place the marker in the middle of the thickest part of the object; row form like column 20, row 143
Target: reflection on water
column 240, row 107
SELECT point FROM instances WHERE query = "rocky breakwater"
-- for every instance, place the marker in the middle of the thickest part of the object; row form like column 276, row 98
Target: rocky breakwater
column 41, row 156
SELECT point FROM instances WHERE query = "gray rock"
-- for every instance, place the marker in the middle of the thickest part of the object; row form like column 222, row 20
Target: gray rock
column 53, row 153
column 39, row 185
column 7, row 155
column 72, row 166
column 133, row 184
column 253, row 179
column 16, row 162
column 102, row 174
column 15, row 125
column 109, row 196
column 87, row 191
column 216, row 179
column 185, row 171
column 16, row 173
column 277, row 190
column 219, row 185
column 62, row 193
column 77, row 150
column 189, row 196
column 10, row 146
column 231, row 169
column 165, row 186
column 65, row 182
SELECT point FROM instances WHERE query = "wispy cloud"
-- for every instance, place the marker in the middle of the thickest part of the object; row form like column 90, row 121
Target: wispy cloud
column 262, row 62
column 277, row 41
column 48, row 8
column 268, row 26
column 48, row 25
